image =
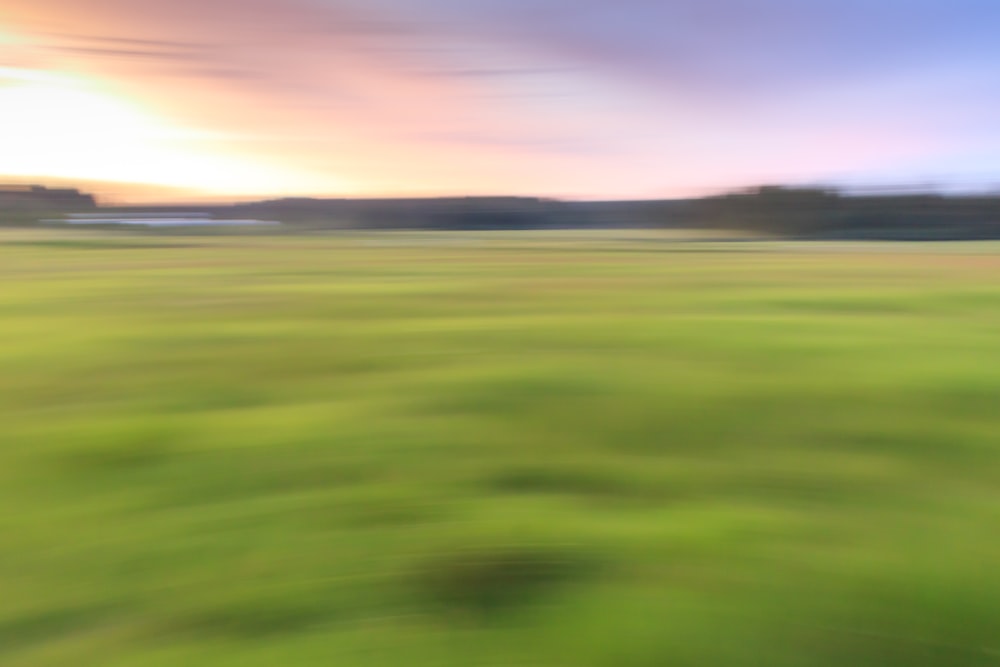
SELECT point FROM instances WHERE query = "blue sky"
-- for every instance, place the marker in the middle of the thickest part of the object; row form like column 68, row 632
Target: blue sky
column 583, row 98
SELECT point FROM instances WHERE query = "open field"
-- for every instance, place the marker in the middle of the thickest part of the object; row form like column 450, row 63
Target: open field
column 605, row 449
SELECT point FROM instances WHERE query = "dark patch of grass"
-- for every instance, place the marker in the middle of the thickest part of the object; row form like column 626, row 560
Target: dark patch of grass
column 27, row 630
column 487, row 581
column 559, row 480
column 849, row 646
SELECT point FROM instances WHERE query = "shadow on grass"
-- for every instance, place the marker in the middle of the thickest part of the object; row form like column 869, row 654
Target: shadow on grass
column 491, row 581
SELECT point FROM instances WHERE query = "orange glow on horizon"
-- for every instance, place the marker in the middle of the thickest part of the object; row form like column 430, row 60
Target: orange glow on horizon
column 66, row 127
column 264, row 98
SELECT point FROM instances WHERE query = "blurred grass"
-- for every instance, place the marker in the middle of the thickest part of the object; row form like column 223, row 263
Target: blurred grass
column 550, row 449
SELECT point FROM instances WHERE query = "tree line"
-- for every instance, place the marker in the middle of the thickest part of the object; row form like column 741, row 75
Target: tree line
column 771, row 210
column 822, row 213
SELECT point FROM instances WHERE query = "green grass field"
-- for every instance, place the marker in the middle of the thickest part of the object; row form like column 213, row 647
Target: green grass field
column 538, row 450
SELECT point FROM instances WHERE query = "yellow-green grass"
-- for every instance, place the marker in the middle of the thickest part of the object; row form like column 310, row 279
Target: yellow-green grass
column 552, row 450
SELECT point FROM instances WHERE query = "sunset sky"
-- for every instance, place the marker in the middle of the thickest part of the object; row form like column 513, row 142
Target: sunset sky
column 565, row 98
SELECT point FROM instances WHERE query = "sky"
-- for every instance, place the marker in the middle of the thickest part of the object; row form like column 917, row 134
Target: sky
column 559, row 98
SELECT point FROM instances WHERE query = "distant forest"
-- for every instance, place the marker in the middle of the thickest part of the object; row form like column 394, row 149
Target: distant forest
column 820, row 213
column 774, row 210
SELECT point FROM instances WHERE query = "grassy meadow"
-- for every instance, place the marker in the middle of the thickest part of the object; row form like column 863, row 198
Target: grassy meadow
column 566, row 449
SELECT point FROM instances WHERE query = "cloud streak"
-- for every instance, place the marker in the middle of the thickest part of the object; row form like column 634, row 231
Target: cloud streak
column 563, row 97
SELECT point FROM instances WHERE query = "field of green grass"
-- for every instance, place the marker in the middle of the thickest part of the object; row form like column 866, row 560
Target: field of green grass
column 525, row 450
